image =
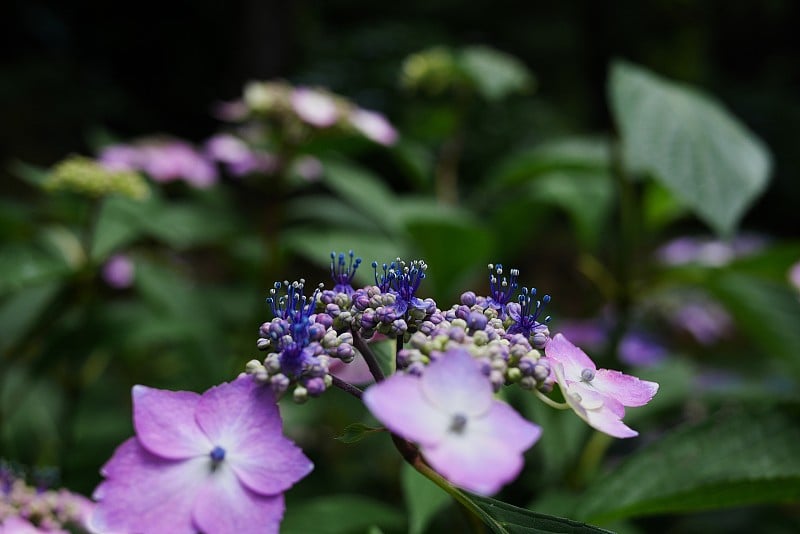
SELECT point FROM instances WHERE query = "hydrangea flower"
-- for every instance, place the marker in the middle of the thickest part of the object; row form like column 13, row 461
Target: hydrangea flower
column 373, row 126
column 215, row 463
column 314, row 107
column 463, row 432
column 118, row 271
column 598, row 396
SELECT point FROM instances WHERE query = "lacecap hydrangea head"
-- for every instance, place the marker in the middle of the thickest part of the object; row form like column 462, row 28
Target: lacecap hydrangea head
column 299, row 344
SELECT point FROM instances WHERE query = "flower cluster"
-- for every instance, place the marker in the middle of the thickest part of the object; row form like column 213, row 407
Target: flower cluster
column 86, row 177
column 304, row 110
column 24, row 508
column 300, row 344
column 164, row 160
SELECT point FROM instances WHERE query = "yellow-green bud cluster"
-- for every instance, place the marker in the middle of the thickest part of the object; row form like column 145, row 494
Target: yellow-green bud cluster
column 85, row 176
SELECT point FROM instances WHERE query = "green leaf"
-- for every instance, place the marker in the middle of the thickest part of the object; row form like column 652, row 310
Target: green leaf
column 340, row 514
column 586, row 197
column 31, row 174
column 767, row 311
column 364, row 191
column 25, row 265
column 569, row 154
column 504, row 518
column 19, row 312
column 689, row 143
column 356, row 432
column 119, row 223
column 424, row 499
column 742, row 457
column 494, row 74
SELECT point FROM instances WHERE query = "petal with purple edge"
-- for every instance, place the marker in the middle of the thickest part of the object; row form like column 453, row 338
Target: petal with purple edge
column 455, row 384
column 476, row 462
column 225, row 506
column 165, row 422
column 627, row 389
column 574, row 360
column 398, row 403
column 505, row 424
column 146, row 493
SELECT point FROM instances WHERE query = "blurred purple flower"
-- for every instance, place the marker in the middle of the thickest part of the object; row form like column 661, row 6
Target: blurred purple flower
column 640, row 349
column 794, row 275
column 237, row 156
column 216, row 463
column 356, row 372
column 464, row 433
column 308, row 168
column 706, row 320
column 17, row 525
column 120, row 158
column 164, row 161
column 233, row 111
column 708, row 251
column 598, row 396
column 373, row 126
column 118, row 271
column 314, row 107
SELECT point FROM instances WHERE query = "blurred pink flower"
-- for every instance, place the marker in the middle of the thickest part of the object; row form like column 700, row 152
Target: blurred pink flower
column 464, row 433
column 237, row 156
column 308, row 168
column 598, row 396
column 216, row 463
column 355, row 372
column 118, row 271
column 794, row 275
column 314, row 107
column 373, row 126
column 163, row 160
column 709, row 251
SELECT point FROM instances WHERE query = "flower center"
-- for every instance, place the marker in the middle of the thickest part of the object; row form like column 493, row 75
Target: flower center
column 587, row 375
column 458, row 423
column 217, row 454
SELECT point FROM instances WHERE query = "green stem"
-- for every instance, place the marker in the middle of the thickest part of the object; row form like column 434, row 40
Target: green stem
column 550, row 402
column 347, row 387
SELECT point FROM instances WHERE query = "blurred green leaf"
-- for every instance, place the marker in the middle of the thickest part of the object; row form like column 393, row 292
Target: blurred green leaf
column 494, row 74
column 316, row 245
column 424, row 499
column 19, row 312
column 31, row 174
column 119, row 223
column 586, row 197
column 385, row 352
column 416, row 160
column 660, row 207
column 689, row 143
column 736, row 458
column 570, row 154
column 328, row 210
column 340, row 514
column 23, row 265
column 356, row 432
column 364, row 191
column 767, row 311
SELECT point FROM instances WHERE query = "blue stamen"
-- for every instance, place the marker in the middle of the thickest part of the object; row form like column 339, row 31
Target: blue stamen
column 530, row 310
column 294, row 305
column 217, row 454
column 501, row 289
column 343, row 273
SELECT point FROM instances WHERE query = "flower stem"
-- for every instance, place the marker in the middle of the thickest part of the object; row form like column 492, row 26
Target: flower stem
column 369, row 357
column 550, row 402
column 347, row 387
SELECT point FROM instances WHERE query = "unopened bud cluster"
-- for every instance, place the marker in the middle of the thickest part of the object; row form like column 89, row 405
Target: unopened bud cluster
column 87, row 177
column 308, row 332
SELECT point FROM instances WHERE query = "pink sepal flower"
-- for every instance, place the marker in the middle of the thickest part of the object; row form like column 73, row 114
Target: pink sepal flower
column 314, row 107
column 216, row 463
column 598, row 396
column 464, row 433
column 373, row 126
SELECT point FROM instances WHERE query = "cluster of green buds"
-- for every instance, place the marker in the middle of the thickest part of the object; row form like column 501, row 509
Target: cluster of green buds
column 87, row 177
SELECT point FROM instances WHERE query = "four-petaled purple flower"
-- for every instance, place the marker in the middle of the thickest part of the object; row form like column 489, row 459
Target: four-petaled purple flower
column 464, row 433
column 214, row 463
column 598, row 396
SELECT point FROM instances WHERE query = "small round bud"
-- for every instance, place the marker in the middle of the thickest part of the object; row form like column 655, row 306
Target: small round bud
column 252, row 366
column 468, row 298
column 300, row 395
column 539, row 340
